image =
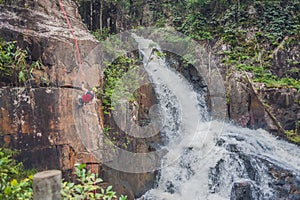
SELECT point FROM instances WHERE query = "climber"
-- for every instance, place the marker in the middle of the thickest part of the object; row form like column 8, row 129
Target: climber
column 87, row 97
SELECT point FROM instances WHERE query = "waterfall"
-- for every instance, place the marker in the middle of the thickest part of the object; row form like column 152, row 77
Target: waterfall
column 204, row 164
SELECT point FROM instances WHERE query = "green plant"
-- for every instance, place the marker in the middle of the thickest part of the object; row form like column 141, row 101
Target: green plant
column 87, row 187
column 14, row 66
column 15, row 182
column 160, row 54
column 101, row 34
column 293, row 136
column 112, row 76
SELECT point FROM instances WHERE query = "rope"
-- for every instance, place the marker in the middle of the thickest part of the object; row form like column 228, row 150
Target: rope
column 81, row 72
column 74, row 37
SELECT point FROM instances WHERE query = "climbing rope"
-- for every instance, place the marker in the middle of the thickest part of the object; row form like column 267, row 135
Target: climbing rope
column 81, row 73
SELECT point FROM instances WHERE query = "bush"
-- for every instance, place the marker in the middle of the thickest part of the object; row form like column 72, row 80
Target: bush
column 15, row 182
column 87, row 187
column 14, row 65
column 112, row 76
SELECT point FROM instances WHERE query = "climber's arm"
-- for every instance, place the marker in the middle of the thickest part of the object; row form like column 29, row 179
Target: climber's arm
column 83, row 88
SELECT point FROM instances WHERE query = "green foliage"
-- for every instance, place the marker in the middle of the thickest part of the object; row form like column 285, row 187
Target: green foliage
column 14, row 66
column 101, row 35
column 274, row 81
column 87, row 187
column 112, row 76
column 276, row 18
column 252, row 38
column 293, row 136
column 263, row 75
column 160, row 54
column 15, row 182
column 116, row 138
column 252, row 50
column 161, row 22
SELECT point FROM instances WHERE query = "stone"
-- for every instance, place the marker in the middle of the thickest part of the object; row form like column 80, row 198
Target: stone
column 284, row 104
column 135, row 184
column 241, row 191
column 256, row 106
column 239, row 99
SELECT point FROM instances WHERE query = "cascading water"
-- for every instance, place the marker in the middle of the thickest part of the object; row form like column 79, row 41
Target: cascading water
column 202, row 163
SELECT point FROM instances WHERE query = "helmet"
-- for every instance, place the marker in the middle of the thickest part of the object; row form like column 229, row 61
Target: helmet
column 94, row 89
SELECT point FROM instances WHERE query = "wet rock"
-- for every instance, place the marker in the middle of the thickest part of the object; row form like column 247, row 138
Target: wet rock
column 241, row 191
column 189, row 72
column 252, row 176
column 284, row 104
column 135, row 184
column 286, row 184
column 170, row 187
column 281, row 183
column 138, row 112
column 214, row 177
column 267, row 108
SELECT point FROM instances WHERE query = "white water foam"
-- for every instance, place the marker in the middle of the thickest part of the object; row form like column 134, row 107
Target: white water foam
column 195, row 146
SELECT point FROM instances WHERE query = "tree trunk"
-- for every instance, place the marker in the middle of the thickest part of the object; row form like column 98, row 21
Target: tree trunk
column 47, row 185
column 91, row 15
column 101, row 16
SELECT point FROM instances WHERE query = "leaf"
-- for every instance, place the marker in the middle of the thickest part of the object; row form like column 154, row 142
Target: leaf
column 108, row 188
column 7, row 190
column 70, row 185
column 78, row 189
column 21, row 76
column 14, row 182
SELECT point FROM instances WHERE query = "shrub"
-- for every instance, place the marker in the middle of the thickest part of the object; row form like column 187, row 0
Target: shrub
column 87, row 187
column 14, row 65
column 15, row 182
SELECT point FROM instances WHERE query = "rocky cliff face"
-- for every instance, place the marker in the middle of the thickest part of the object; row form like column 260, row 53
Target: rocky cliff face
column 43, row 119
column 249, row 109
column 42, row 29
column 135, row 184
column 43, row 122
column 40, row 123
column 256, row 106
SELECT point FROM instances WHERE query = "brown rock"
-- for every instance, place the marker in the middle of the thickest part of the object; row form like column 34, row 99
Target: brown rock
column 44, row 32
column 256, row 106
column 284, row 104
column 43, row 123
column 239, row 99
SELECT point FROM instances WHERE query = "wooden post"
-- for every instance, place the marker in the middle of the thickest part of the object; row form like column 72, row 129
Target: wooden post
column 47, row 185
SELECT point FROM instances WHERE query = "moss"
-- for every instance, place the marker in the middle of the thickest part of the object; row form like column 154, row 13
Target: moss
column 293, row 136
